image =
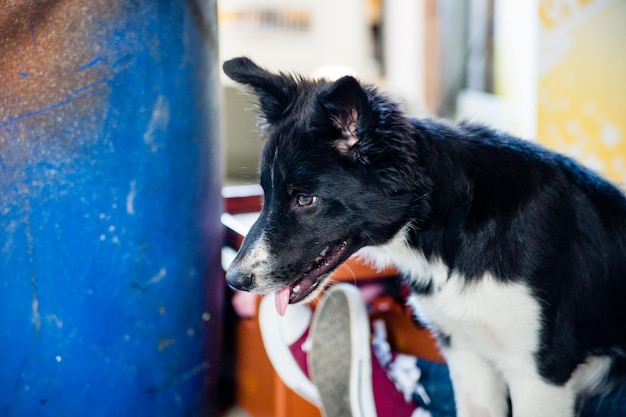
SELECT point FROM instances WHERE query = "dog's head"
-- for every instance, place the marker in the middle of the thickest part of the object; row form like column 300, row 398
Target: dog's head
column 339, row 171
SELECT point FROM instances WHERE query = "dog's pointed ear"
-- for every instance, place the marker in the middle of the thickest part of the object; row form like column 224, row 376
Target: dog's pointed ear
column 347, row 106
column 274, row 91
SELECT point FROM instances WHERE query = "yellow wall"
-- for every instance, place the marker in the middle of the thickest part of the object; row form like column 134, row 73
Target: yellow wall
column 582, row 82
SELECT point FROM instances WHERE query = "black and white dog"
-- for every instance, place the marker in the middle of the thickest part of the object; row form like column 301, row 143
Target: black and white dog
column 515, row 255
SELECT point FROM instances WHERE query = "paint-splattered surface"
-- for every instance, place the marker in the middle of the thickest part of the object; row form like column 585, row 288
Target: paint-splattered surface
column 109, row 207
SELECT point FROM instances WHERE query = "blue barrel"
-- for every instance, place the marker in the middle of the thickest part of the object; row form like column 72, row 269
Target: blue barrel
column 110, row 284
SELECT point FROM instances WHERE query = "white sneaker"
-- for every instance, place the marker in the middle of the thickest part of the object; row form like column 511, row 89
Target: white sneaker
column 282, row 334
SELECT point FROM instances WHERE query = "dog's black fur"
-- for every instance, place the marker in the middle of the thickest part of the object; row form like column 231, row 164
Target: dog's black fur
column 344, row 168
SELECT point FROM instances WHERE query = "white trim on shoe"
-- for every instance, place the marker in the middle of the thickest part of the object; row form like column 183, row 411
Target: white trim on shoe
column 278, row 333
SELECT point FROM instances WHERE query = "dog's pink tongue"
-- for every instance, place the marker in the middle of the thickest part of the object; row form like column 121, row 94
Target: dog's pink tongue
column 282, row 300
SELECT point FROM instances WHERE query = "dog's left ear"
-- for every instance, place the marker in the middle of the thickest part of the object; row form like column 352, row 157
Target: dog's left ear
column 348, row 108
column 275, row 91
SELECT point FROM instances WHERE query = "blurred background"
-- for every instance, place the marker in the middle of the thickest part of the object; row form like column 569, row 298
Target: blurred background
column 545, row 70
column 551, row 71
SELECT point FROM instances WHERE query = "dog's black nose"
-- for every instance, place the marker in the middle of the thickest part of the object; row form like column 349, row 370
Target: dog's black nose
column 239, row 280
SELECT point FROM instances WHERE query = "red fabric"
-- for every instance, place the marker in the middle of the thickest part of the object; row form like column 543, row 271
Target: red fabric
column 389, row 401
column 300, row 355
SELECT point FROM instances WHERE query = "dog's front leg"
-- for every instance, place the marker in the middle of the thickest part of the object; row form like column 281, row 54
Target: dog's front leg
column 532, row 397
column 479, row 390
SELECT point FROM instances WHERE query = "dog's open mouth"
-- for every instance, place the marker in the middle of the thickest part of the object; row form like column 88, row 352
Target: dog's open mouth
column 325, row 262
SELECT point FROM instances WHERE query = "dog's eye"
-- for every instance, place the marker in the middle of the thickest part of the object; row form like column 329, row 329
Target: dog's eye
column 306, row 200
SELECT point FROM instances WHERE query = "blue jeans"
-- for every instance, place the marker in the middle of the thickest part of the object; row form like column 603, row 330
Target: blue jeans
column 611, row 405
column 436, row 381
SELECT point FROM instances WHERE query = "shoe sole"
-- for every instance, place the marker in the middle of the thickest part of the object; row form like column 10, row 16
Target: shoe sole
column 340, row 357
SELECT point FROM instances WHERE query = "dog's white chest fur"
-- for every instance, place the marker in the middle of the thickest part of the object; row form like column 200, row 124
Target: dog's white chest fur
column 491, row 316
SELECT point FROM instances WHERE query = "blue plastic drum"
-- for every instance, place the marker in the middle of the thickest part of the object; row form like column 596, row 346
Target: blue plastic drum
column 110, row 284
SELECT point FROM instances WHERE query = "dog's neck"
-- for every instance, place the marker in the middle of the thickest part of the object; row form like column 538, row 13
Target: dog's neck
column 449, row 196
